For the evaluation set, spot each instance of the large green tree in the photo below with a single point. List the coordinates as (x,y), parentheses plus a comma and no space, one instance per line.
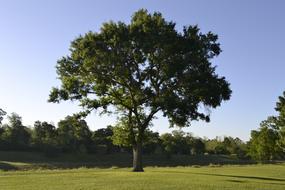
(139,69)
(279,122)
(263,143)
(269,141)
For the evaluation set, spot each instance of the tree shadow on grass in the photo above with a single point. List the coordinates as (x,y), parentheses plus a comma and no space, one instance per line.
(246,177)
(244,181)
(6,166)
(265,180)
(239,178)
(236,181)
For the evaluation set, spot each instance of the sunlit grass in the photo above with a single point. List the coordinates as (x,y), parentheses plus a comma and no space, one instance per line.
(257,177)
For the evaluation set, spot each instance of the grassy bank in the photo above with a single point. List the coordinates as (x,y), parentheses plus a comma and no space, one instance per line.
(10,160)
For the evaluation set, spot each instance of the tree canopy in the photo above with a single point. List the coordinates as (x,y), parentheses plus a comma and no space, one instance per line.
(74,134)
(138,69)
(268,142)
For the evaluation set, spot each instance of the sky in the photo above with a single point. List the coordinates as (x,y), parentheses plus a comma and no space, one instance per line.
(34,34)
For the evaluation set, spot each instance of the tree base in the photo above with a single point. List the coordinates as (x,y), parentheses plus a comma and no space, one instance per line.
(137,170)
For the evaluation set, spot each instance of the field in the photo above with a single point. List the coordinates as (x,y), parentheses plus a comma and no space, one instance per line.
(257,177)
(15,175)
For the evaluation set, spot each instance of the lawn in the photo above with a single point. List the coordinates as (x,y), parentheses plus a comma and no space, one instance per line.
(34,171)
(16,160)
(258,177)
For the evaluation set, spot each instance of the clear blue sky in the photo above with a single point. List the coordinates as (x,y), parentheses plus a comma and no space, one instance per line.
(35,33)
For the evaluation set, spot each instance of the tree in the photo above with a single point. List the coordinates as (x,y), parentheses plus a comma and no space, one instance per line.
(180,142)
(103,137)
(214,146)
(139,69)
(269,141)
(197,146)
(279,122)
(176,143)
(44,134)
(262,145)
(152,142)
(2,114)
(168,144)
(16,134)
(73,134)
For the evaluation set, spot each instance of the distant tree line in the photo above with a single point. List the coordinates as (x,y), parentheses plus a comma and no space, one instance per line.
(72,135)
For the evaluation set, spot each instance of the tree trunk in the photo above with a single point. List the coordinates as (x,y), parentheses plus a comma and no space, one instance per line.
(137,157)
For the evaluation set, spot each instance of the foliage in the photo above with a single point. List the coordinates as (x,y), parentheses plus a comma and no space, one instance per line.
(122,136)
(279,122)
(43,133)
(226,145)
(215,146)
(73,134)
(198,146)
(44,138)
(151,143)
(103,137)
(179,142)
(2,114)
(263,144)
(142,68)
(268,142)
(14,134)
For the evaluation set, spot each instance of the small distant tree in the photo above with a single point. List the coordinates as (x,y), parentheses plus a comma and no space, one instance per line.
(2,114)
(168,144)
(140,69)
(74,134)
(179,142)
(152,142)
(44,138)
(215,146)
(197,146)
(103,137)
(16,134)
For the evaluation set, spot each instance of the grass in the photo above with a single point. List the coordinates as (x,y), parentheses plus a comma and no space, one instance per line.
(33,171)
(255,177)
(33,160)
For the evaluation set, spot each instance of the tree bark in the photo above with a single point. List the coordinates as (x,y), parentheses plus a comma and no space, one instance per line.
(137,157)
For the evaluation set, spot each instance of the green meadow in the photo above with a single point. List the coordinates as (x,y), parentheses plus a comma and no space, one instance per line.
(34,171)
(255,177)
